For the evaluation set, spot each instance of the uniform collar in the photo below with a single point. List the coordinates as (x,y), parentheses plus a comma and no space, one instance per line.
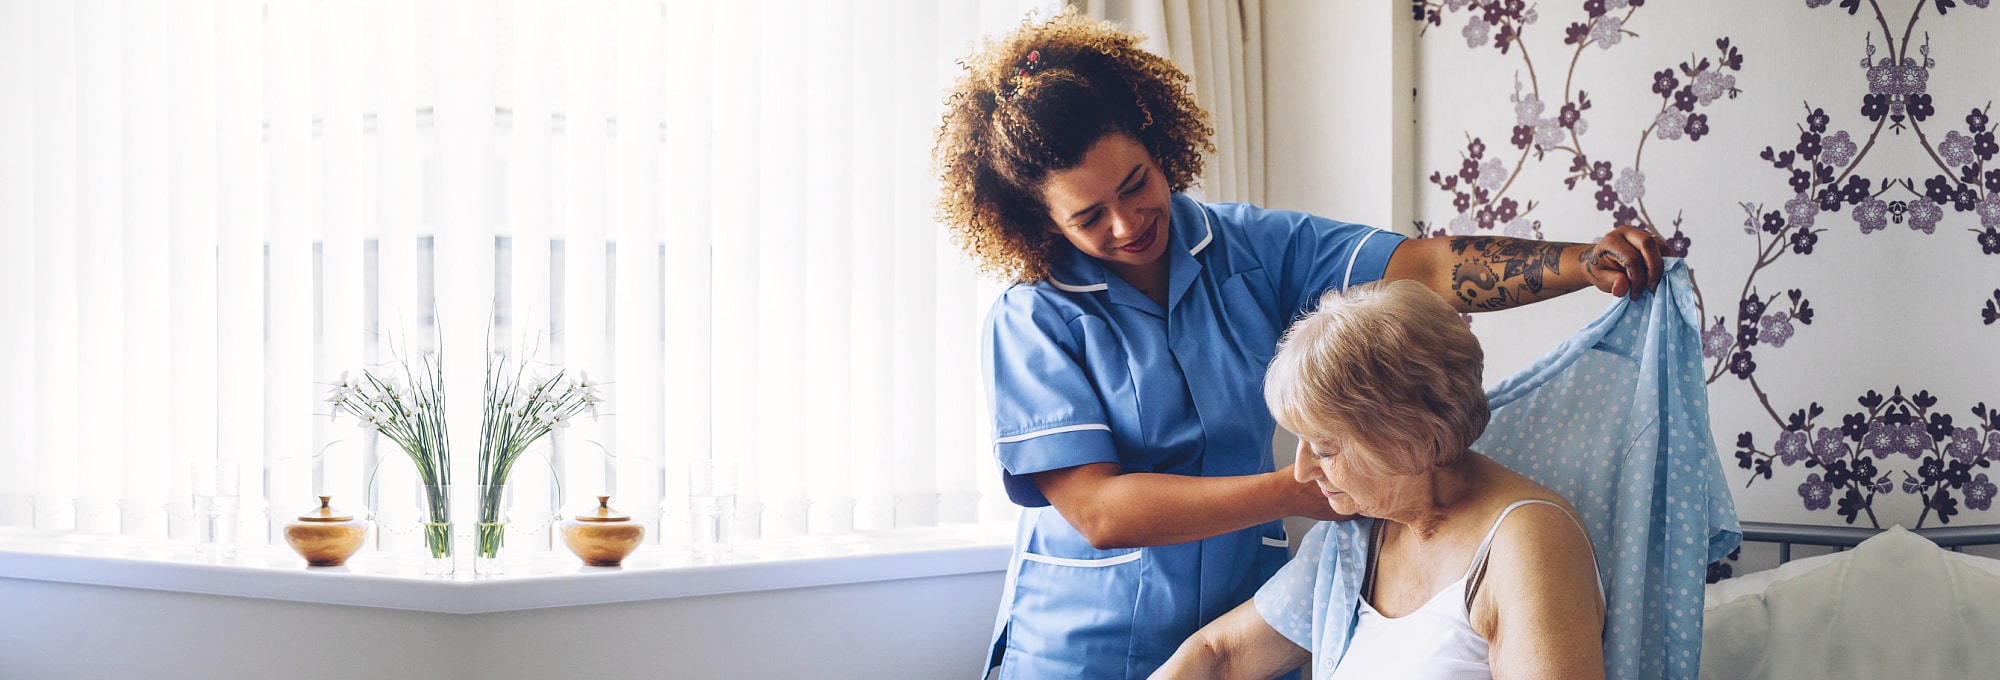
(1191,231)
(1194,232)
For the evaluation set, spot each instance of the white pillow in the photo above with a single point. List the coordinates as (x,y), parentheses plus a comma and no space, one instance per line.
(1894,607)
(1756,582)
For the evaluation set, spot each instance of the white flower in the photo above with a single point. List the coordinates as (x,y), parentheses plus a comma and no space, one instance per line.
(556,419)
(342,389)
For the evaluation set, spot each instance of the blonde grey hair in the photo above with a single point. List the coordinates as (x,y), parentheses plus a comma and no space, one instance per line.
(1389,366)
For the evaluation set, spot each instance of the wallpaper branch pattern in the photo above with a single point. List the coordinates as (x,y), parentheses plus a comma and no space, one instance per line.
(1856,136)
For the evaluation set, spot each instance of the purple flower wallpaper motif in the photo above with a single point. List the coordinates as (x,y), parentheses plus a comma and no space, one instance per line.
(1897,133)
(1893,438)
(1478,188)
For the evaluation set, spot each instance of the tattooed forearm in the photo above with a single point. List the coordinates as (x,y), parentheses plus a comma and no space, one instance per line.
(1498,273)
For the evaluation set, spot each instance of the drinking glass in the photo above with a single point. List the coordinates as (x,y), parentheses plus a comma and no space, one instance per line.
(711,504)
(215,488)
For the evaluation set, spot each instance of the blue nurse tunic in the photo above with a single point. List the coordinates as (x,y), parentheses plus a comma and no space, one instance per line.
(1083,368)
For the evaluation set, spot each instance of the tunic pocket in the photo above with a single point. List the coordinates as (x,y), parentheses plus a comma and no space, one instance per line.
(1276,550)
(1072,617)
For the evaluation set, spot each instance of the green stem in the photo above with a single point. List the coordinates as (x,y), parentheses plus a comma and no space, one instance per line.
(437,538)
(492,535)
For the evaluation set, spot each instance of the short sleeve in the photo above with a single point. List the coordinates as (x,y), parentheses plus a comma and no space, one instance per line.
(1308,254)
(1047,415)
(1286,601)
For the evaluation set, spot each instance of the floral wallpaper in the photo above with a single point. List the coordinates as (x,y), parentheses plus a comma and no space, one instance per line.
(1828,169)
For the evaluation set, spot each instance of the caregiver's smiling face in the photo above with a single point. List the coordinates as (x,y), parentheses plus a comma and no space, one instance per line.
(1114,205)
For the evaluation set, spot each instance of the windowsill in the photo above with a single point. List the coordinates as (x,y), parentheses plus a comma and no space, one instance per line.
(534,579)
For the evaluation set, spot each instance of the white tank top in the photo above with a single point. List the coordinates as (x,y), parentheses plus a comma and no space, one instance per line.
(1435,642)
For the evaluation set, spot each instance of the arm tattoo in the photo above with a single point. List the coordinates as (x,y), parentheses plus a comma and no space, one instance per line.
(1498,273)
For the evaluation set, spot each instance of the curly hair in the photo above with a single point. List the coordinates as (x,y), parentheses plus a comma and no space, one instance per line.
(1011,120)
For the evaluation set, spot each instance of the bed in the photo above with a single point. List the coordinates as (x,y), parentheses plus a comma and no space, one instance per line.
(1893,604)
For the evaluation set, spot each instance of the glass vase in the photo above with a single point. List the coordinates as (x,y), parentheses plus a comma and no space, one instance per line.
(490,535)
(434,503)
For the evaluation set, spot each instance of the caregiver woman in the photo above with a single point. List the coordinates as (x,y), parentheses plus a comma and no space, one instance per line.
(1124,363)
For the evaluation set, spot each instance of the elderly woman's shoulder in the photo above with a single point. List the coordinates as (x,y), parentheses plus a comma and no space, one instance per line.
(1544,530)
(1504,487)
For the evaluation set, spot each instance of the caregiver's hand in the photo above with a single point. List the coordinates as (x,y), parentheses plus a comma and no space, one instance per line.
(1115,509)
(1623,260)
(1305,499)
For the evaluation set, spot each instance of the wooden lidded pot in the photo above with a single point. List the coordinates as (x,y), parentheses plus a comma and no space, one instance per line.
(324,536)
(602,536)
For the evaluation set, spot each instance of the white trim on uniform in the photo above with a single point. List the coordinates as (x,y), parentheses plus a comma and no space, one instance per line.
(1067,562)
(1277,542)
(1196,250)
(1076,288)
(1052,430)
(1348,278)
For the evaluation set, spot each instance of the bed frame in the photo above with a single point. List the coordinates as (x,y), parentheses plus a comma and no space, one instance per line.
(1842,538)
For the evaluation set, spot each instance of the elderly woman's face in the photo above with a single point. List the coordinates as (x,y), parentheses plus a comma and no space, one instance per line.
(1114,205)
(1352,492)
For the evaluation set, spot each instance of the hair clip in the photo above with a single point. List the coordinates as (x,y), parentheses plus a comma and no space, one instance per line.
(1032,64)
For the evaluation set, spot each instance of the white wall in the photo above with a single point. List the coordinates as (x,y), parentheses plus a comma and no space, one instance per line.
(916,628)
(1337,78)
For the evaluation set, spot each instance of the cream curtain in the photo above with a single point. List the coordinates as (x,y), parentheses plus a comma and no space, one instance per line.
(1219,44)
(210,209)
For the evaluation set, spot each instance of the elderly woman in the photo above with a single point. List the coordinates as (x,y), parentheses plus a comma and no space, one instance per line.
(1472,570)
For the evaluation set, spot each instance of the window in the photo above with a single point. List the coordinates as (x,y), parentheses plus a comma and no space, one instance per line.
(721,210)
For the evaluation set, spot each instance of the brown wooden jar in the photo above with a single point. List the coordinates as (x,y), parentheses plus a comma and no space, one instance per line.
(603,536)
(324,536)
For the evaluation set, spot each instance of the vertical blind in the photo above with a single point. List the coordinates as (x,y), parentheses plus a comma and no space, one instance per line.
(211,209)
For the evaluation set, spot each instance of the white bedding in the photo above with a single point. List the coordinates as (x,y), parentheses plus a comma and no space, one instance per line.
(1895,607)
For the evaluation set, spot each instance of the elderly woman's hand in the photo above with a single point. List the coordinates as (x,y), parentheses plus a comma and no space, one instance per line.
(1238,644)
(1623,260)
